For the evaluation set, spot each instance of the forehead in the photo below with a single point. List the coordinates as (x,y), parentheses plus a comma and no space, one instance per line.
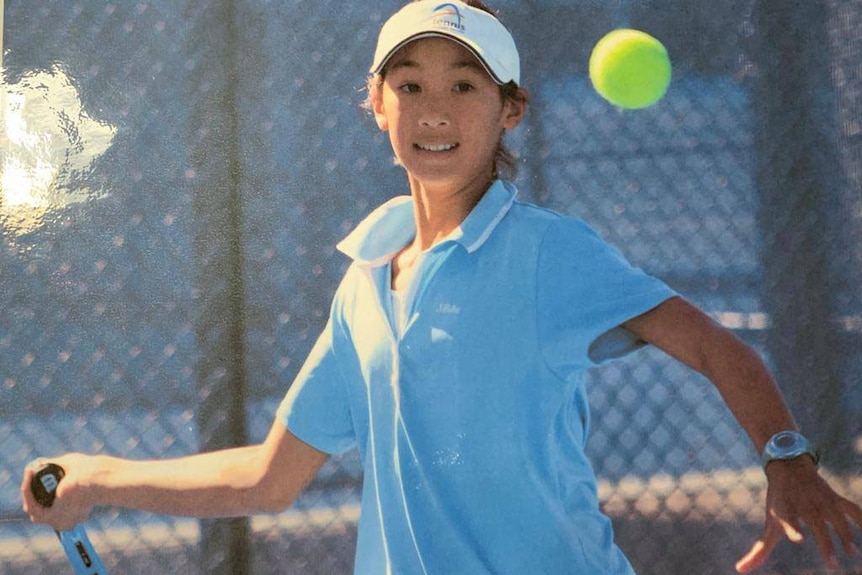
(434,51)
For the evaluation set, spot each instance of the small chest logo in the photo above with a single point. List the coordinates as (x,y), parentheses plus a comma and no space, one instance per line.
(448,308)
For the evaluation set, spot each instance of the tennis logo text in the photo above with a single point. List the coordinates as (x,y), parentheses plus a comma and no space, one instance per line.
(448,16)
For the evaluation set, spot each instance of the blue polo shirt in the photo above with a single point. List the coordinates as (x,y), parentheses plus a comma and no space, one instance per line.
(471,421)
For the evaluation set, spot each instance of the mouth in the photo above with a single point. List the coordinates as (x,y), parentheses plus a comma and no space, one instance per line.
(435,147)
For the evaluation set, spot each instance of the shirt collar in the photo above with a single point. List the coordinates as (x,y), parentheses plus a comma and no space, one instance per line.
(387,229)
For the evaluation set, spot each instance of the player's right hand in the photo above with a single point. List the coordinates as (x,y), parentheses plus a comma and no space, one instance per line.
(74,499)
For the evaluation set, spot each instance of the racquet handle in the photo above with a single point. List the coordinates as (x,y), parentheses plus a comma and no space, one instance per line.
(44,483)
(76,544)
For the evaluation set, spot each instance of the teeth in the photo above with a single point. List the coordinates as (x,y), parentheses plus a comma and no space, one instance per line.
(439,148)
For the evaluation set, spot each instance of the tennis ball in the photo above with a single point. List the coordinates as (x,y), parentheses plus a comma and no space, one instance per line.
(630,69)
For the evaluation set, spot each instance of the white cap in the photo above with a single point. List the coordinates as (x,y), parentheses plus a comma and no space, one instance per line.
(475,29)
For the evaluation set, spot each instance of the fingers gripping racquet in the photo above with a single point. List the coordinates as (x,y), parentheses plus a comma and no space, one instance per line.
(79,550)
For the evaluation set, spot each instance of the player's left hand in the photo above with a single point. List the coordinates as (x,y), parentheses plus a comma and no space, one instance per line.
(797,495)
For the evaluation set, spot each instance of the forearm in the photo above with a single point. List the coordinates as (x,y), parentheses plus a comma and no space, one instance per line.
(745,384)
(218,484)
(747,387)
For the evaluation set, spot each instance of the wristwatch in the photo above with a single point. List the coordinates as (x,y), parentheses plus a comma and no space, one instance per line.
(786,445)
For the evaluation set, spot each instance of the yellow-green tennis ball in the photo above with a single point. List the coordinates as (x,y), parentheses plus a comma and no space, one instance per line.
(630,69)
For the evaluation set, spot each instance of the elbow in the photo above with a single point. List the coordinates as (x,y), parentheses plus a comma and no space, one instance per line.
(250,487)
(734,364)
(720,351)
(271,491)
(282,467)
(273,497)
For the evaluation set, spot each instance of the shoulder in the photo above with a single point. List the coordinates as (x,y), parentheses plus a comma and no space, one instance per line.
(570,246)
(561,232)
(551,236)
(524,216)
(526,212)
(531,214)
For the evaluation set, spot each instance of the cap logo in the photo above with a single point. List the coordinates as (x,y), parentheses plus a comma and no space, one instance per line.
(448,16)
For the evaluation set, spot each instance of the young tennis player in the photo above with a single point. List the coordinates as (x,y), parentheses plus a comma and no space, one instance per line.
(455,353)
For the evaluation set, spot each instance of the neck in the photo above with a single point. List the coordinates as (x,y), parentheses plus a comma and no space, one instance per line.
(438,210)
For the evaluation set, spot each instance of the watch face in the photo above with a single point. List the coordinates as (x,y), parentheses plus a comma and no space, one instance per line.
(785,441)
(788,445)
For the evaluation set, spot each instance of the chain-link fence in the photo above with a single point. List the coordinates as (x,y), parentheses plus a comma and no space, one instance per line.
(175,175)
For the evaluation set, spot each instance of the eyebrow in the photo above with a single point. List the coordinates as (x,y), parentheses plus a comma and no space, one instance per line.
(403,63)
(470,64)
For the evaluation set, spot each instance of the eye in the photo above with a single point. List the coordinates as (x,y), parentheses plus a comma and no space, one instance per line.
(463,87)
(409,88)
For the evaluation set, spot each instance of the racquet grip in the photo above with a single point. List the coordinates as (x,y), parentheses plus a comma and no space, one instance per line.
(44,483)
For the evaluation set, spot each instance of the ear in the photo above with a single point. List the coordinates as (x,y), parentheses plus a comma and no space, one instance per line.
(375,96)
(515,108)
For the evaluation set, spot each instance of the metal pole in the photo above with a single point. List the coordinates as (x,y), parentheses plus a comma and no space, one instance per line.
(217,207)
(798,176)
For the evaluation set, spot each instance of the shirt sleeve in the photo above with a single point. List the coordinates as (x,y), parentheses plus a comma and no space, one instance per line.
(585,290)
(316,408)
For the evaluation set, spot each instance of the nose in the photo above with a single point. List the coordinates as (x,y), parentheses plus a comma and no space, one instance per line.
(434,114)
(434,121)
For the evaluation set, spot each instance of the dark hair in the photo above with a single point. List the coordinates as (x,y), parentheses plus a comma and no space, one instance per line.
(505,162)
(506,165)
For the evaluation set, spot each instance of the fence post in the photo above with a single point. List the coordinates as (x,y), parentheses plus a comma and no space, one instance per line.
(214,173)
(798,176)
